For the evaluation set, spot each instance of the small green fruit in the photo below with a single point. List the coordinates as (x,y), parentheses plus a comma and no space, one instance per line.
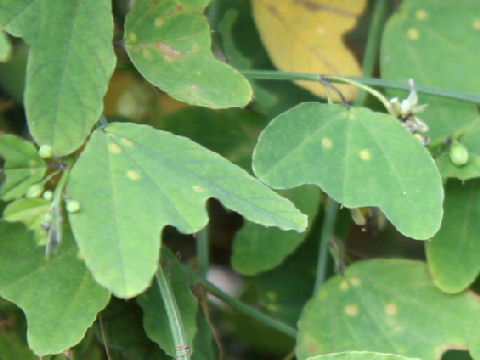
(47,195)
(459,154)
(45,151)
(72,206)
(34,191)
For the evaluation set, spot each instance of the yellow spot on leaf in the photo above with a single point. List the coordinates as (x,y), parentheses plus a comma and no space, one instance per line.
(272,307)
(351,310)
(351,115)
(114,148)
(327,143)
(391,309)
(146,54)
(198,188)
(158,22)
(127,142)
(194,87)
(476,24)
(365,155)
(421,14)
(344,285)
(79,255)
(132,37)
(271,295)
(286,29)
(413,34)
(133,175)
(356,281)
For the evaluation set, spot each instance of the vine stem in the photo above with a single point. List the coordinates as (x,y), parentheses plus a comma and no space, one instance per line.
(238,305)
(288,75)
(182,350)
(328,228)
(202,241)
(368,66)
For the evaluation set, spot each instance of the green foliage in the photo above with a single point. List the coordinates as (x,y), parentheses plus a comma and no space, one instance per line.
(388,306)
(59,297)
(452,253)
(256,248)
(360,355)
(155,320)
(356,157)
(23,166)
(127,182)
(126,166)
(182,65)
(417,44)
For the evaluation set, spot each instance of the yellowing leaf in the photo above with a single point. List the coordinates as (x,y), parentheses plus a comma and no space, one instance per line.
(308,36)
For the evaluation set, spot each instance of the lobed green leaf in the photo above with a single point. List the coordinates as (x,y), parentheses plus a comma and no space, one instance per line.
(360,158)
(133,180)
(169,42)
(59,297)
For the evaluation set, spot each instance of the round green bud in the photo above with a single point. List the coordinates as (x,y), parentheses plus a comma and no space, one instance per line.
(45,151)
(72,206)
(47,195)
(459,154)
(34,191)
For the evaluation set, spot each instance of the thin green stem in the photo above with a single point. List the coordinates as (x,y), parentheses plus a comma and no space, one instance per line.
(328,228)
(375,31)
(182,350)
(203,251)
(285,75)
(238,305)
(55,212)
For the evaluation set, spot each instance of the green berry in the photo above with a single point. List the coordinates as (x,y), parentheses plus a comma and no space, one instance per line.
(72,206)
(34,191)
(47,195)
(459,154)
(45,151)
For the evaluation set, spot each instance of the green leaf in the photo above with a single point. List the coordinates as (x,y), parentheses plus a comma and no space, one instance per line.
(155,320)
(59,297)
(132,180)
(388,306)
(468,171)
(70,62)
(232,132)
(256,248)
(360,158)
(203,347)
(284,290)
(5,47)
(32,213)
(453,252)
(360,355)
(121,329)
(169,43)
(417,44)
(23,166)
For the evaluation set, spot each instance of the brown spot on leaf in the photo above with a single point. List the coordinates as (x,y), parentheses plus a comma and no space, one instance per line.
(169,52)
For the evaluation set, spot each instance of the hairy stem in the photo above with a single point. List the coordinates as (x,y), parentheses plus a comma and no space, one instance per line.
(182,350)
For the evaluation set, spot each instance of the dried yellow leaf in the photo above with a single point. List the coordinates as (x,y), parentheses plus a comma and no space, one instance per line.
(307,36)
